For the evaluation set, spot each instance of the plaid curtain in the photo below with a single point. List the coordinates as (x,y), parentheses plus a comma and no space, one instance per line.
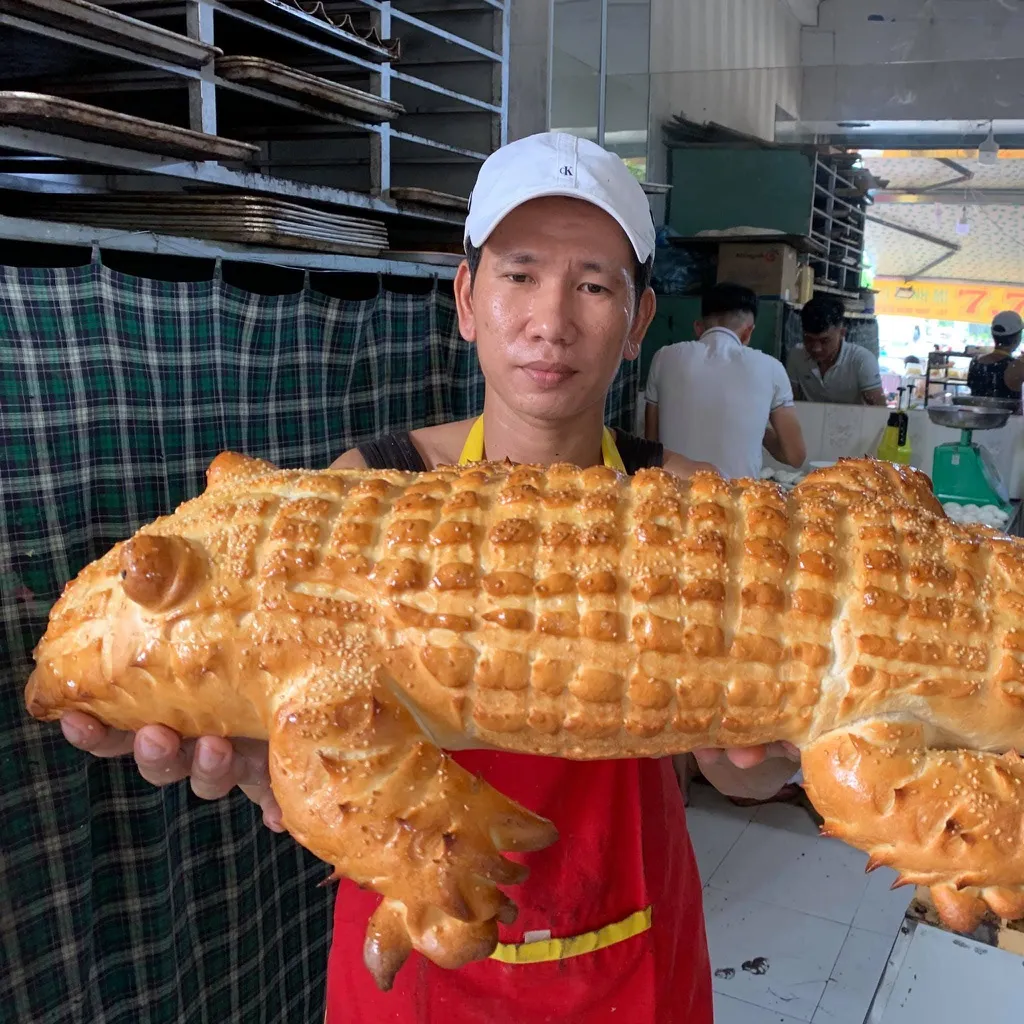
(124,903)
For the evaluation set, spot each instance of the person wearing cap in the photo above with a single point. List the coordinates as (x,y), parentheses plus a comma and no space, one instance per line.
(827,367)
(718,400)
(997,374)
(554,293)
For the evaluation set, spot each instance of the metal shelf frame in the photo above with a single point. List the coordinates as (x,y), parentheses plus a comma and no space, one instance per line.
(338,49)
(841,261)
(208,172)
(19,229)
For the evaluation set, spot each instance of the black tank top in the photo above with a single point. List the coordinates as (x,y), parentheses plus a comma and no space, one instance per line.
(396,451)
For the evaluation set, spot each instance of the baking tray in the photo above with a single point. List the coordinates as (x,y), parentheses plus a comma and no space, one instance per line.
(244,230)
(184,225)
(311,89)
(93,22)
(343,23)
(428,197)
(230,217)
(292,14)
(202,204)
(57,115)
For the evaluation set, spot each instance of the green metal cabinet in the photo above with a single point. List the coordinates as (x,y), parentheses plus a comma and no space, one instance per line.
(767,189)
(675,318)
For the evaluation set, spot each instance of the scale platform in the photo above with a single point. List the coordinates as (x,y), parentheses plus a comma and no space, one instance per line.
(964,471)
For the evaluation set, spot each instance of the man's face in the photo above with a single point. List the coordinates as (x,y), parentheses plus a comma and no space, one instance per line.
(824,347)
(553,308)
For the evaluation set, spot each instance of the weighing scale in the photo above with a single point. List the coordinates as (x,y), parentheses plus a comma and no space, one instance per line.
(963,471)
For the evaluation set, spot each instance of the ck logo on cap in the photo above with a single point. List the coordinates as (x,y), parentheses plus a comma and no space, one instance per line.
(565,170)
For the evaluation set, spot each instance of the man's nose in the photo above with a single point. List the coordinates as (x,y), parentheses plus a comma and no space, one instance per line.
(551,318)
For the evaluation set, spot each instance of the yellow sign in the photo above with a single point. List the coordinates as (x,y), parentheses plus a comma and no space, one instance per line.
(937,154)
(966,301)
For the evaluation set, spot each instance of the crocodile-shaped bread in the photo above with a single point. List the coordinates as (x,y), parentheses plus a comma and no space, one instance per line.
(365,622)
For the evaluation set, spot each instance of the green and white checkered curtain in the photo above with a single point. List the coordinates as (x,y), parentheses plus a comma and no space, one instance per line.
(121,903)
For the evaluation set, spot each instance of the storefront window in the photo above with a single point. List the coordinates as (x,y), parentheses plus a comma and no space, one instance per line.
(600,74)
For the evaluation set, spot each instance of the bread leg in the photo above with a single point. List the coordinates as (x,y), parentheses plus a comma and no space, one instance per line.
(361,788)
(952,820)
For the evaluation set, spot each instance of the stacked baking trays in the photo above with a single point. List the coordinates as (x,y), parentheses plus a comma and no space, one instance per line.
(228,217)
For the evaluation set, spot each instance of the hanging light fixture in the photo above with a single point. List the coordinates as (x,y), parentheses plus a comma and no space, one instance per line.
(963,225)
(988,151)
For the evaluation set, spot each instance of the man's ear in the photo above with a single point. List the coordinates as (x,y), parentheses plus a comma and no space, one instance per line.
(747,333)
(699,328)
(464,302)
(645,310)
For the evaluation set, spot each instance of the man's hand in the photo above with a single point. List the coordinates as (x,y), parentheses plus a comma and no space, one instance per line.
(214,765)
(753,773)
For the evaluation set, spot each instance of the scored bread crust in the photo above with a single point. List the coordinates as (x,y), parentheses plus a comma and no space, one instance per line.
(365,621)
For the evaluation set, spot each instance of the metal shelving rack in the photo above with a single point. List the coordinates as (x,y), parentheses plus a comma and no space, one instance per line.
(446,63)
(837,224)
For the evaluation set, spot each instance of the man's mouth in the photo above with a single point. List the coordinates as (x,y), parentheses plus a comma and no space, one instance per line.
(548,375)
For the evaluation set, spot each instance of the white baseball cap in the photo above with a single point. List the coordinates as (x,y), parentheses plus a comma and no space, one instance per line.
(1007,323)
(559,164)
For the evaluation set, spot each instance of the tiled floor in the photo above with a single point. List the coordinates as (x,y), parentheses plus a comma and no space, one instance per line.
(797,930)
(945,979)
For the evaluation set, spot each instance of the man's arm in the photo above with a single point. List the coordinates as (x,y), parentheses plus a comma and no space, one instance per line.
(869,378)
(352,459)
(873,397)
(784,437)
(651,422)
(1013,378)
(681,466)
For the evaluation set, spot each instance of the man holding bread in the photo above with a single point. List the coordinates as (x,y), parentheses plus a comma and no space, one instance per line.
(554,292)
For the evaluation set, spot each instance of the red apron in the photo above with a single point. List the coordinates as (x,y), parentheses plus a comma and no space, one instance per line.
(623,849)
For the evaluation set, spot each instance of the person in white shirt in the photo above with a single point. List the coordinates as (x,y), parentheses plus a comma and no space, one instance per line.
(719,401)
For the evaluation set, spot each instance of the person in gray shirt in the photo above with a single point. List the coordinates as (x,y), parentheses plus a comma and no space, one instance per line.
(828,368)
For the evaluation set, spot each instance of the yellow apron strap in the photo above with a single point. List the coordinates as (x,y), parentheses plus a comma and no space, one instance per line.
(473,449)
(575,945)
(610,451)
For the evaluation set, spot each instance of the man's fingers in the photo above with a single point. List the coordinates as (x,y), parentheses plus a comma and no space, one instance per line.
(747,757)
(85,733)
(263,796)
(707,755)
(161,755)
(215,767)
(741,757)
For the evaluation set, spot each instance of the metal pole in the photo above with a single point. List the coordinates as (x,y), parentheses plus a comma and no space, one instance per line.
(602,72)
(506,32)
(202,99)
(551,57)
(380,144)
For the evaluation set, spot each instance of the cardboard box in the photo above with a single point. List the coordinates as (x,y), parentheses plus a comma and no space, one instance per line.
(769,268)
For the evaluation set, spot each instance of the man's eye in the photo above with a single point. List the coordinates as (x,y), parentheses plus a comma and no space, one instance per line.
(595,289)
(518,278)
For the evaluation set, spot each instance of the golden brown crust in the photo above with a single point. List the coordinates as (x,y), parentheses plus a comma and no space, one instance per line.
(558,611)
(949,819)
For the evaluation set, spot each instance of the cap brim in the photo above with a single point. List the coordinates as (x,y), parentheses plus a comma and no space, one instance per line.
(570,193)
